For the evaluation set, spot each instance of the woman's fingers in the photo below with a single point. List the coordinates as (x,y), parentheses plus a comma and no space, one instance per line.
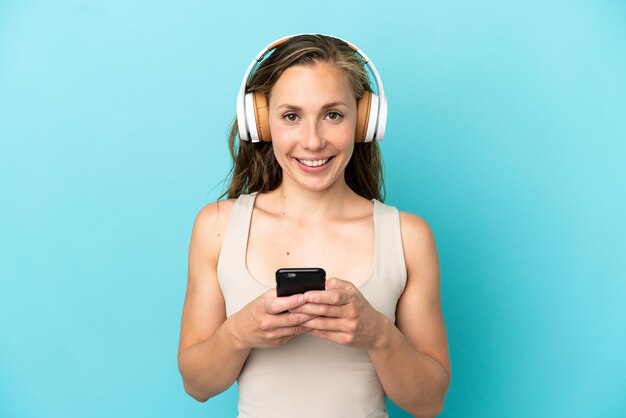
(335,283)
(290,319)
(342,315)
(339,300)
(335,313)
(274,305)
(329,297)
(323,323)
(321,309)
(338,292)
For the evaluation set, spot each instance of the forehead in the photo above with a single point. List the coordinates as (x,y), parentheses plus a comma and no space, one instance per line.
(311,83)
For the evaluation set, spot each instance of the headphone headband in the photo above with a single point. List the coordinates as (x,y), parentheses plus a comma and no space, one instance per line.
(252,129)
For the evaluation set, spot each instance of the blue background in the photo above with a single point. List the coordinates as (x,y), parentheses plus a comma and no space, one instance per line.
(506,132)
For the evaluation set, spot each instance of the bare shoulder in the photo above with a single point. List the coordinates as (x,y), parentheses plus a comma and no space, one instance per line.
(420,251)
(213,214)
(210,226)
(416,233)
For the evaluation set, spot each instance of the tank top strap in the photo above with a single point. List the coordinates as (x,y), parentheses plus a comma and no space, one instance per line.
(389,250)
(237,230)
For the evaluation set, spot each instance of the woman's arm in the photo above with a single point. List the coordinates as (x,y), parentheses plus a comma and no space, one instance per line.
(209,361)
(213,349)
(410,357)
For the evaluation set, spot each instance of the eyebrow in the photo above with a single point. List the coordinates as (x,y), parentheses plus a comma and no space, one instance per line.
(326,106)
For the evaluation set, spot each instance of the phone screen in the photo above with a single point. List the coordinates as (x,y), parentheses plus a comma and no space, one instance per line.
(291,281)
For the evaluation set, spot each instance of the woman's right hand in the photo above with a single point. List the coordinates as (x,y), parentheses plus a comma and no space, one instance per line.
(266,321)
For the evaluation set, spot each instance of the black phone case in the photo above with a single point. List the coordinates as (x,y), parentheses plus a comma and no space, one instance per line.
(292,281)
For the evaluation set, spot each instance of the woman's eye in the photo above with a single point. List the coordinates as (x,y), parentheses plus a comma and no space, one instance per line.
(334,115)
(290,117)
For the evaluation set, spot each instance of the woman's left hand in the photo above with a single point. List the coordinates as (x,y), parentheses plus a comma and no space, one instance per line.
(345,316)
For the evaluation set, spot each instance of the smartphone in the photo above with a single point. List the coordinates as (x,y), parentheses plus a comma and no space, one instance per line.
(299,280)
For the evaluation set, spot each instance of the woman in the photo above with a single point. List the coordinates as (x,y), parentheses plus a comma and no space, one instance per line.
(307,195)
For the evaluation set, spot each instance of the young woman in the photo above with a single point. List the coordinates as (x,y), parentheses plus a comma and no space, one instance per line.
(308,194)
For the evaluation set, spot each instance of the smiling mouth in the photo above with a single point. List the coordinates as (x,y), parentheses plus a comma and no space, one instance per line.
(314,163)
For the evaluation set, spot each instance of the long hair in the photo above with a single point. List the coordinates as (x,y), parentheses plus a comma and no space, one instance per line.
(255,168)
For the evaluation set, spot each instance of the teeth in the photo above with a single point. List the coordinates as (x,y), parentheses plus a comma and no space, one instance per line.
(313,163)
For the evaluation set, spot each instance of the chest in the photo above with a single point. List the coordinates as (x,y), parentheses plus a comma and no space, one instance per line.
(344,249)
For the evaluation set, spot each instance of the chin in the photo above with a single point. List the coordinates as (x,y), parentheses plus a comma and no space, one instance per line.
(318,186)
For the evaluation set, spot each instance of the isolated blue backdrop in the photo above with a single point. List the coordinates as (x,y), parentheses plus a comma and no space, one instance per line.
(506,133)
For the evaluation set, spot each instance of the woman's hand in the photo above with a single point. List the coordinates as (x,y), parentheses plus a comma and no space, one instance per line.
(343,315)
(266,321)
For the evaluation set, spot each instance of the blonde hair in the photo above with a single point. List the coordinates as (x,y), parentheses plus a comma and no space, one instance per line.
(255,168)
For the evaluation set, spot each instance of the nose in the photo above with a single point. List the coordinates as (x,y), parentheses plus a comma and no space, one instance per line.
(314,138)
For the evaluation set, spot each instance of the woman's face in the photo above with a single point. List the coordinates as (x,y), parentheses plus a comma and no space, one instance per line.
(313,115)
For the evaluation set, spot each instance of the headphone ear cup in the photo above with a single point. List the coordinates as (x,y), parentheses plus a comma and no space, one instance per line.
(367,117)
(257,117)
(363,114)
(262,116)
(250,119)
(372,121)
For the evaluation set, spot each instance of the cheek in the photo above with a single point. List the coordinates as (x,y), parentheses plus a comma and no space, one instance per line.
(347,131)
(280,148)
(350,150)
(282,134)
(279,135)
(347,139)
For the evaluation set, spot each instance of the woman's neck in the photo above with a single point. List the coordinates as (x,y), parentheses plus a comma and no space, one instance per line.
(309,205)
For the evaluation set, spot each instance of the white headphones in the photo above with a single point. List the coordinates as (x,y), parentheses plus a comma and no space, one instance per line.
(253,109)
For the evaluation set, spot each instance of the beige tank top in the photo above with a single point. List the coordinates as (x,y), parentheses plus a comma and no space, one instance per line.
(309,376)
